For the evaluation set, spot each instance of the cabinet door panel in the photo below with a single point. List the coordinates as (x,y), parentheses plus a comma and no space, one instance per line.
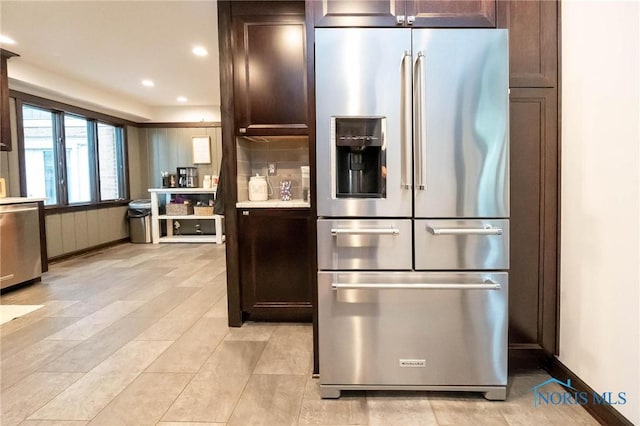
(533,42)
(270,75)
(452,13)
(275,263)
(534,161)
(356,13)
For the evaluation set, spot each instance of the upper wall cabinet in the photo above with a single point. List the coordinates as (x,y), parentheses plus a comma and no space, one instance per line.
(270,75)
(399,13)
(533,41)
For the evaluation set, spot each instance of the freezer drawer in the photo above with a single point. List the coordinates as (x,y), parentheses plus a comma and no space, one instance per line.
(461,244)
(412,329)
(364,244)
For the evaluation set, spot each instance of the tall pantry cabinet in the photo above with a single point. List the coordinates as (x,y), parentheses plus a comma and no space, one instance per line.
(263,75)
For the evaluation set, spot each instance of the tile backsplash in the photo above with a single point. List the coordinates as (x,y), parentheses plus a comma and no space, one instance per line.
(255,154)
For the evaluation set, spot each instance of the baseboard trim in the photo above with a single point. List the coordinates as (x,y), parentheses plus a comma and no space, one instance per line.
(604,414)
(69,255)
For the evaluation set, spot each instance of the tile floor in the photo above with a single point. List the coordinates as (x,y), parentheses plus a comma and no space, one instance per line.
(137,335)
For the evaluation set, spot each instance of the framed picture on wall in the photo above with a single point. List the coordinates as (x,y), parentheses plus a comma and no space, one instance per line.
(201,149)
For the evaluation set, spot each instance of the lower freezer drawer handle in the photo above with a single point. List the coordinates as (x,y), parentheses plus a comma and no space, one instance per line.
(365,231)
(465,231)
(487,285)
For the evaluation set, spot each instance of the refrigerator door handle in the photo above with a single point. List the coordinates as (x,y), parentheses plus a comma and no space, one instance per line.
(365,231)
(487,285)
(419,137)
(406,121)
(487,230)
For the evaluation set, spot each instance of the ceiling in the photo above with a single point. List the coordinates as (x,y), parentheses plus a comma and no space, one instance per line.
(114,45)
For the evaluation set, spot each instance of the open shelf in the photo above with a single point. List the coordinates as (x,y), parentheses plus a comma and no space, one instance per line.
(156,217)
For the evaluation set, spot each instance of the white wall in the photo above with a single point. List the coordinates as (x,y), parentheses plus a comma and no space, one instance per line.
(600,190)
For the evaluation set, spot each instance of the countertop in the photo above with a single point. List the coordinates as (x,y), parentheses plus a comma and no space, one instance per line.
(19,200)
(185,190)
(274,204)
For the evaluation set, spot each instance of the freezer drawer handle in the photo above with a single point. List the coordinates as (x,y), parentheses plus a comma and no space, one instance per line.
(488,285)
(365,231)
(488,230)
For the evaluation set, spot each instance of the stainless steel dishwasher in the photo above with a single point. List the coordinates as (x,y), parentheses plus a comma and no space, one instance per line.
(19,244)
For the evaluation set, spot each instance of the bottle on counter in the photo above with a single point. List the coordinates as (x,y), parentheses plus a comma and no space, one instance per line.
(285,190)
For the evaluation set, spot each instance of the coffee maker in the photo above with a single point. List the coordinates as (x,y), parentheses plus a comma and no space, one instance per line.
(187,177)
(360,157)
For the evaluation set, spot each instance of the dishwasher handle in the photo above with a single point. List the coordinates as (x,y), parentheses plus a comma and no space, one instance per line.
(7,210)
(487,285)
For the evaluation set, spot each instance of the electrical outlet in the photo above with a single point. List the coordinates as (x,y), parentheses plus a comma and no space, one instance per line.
(272,169)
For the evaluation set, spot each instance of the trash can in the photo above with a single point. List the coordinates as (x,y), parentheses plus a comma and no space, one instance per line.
(139,214)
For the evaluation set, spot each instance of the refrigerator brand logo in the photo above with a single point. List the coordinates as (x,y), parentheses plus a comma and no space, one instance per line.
(413,363)
(571,396)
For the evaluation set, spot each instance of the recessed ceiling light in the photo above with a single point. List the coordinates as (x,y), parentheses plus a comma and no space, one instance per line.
(200,51)
(6,40)
(181,99)
(147,83)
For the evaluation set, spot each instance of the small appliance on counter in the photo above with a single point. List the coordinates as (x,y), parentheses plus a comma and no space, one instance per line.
(187,177)
(258,188)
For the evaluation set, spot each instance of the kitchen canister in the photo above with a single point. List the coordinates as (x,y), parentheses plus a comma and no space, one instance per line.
(206,182)
(258,189)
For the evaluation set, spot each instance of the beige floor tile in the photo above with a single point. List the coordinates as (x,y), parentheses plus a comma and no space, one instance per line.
(33,333)
(144,401)
(28,360)
(189,424)
(192,349)
(90,394)
(89,353)
(215,390)
(462,409)
(400,408)
(251,331)
(96,322)
(219,310)
(351,409)
(28,395)
(198,304)
(288,351)
(51,307)
(53,423)
(270,400)
(167,329)
(163,303)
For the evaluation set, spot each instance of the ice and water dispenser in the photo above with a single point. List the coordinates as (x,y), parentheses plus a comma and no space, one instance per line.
(360,157)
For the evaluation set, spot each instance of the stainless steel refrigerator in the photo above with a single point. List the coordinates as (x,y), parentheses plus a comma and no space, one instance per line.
(413,205)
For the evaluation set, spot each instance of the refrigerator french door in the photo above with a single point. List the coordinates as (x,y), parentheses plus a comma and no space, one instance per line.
(442,98)
(413,208)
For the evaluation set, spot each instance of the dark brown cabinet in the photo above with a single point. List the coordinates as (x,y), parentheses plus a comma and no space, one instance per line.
(276,264)
(533,67)
(414,13)
(533,42)
(269,63)
(5,125)
(534,227)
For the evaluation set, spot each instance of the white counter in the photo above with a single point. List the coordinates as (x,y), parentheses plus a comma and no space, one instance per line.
(273,204)
(18,200)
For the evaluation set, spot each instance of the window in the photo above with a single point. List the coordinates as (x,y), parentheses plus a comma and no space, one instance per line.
(70,159)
